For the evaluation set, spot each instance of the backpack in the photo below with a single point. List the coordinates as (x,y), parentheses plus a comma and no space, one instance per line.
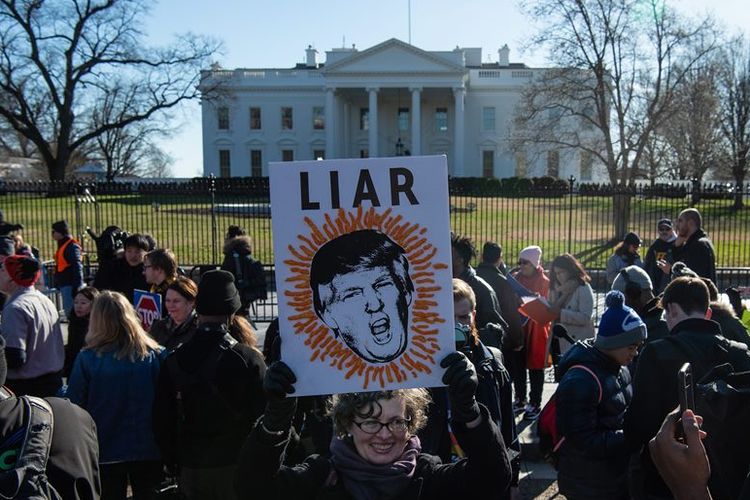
(550,439)
(249,278)
(27,477)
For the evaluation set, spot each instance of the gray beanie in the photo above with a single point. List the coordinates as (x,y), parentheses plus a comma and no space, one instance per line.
(635,275)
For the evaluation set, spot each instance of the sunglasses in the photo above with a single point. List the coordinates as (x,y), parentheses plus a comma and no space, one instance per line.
(523,262)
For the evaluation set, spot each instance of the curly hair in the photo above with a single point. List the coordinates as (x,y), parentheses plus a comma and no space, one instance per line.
(342,408)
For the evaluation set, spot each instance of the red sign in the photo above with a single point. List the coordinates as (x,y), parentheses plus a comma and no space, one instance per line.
(148,307)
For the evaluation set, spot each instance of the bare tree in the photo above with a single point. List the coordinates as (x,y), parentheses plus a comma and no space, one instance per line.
(619,63)
(67,58)
(734,85)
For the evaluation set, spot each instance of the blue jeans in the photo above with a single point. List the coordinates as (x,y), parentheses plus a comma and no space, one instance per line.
(67,298)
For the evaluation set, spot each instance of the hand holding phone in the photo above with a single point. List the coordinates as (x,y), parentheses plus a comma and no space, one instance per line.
(685,394)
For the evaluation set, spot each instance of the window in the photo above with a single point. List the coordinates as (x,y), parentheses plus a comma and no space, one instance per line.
(255,123)
(403,119)
(319,154)
(364,118)
(586,165)
(488,118)
(225,168)
(364,153)
(520,165)
(223,116)
(319,120)
(553,164)
(256,163)
(287,119)
(441,119)
(287,155)
(488,163)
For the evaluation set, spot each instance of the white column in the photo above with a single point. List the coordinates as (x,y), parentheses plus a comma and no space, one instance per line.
(373,112)
(458,141)
(346,133)
(330,113)
(416,121)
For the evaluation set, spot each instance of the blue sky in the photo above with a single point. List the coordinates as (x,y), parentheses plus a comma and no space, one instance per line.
(275,33)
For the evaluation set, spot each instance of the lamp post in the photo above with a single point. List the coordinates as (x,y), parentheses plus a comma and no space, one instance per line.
(572,181)
(399,147)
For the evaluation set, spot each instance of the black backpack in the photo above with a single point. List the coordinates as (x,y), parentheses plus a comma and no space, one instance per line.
(26,477)
(249,278)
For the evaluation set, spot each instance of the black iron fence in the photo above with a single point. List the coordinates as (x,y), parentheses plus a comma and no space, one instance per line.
(191,216)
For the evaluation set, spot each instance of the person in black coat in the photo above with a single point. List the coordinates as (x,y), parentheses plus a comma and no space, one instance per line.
(489,270)
(124,274)
(693,246)
(78,325)
(376,453)
(660,250)
(594,392)
(209,393)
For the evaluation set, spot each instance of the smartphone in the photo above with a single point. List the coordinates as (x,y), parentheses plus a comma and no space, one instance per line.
(685,395)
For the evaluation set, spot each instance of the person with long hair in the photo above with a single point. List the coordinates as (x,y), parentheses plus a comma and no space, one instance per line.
(179,327)
(114,379)
(78,324)
(625,254)
(571,298)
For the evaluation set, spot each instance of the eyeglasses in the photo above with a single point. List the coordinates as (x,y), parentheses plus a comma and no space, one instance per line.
(665,229)
(523,262)
(396,426)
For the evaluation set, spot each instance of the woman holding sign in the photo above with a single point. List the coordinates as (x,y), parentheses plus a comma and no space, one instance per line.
(376,452)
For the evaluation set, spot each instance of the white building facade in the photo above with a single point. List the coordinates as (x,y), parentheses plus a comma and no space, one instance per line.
(392,99)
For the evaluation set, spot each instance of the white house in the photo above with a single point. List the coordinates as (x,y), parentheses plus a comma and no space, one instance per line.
(388,100)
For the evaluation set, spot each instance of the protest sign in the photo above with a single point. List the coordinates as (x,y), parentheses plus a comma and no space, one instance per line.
(148,307)
(363,276)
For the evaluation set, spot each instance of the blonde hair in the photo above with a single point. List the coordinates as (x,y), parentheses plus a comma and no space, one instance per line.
(115,326)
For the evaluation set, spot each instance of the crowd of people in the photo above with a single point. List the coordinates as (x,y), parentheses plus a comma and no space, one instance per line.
(191,406)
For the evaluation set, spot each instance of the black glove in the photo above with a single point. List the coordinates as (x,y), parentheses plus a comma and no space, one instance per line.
(280,409)
(462,381)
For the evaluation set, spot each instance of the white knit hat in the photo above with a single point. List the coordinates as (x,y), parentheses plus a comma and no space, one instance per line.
(533,254)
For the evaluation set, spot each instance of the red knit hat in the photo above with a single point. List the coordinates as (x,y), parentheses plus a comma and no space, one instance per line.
(23,270)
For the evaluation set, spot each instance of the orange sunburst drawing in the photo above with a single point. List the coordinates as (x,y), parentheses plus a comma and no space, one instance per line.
(422,346)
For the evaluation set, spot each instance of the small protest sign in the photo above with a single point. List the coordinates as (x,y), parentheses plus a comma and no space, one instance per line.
(148,307)
(363,276)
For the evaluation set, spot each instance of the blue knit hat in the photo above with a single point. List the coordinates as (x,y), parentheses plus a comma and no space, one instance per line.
(620,326)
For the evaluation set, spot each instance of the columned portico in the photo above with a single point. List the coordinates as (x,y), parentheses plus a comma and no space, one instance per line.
(373,122)
(332,149)
(416,116)
(458,142)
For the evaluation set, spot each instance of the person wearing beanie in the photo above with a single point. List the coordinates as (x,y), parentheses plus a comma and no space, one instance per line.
(7,227)
(218,384)
(72,468)
(636,285)
(660,250)
(625,254)
(592,398)
(68,263)
(29,324)
(692,338)
(533,355)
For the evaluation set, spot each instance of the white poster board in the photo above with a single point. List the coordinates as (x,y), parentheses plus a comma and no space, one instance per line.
(363,276)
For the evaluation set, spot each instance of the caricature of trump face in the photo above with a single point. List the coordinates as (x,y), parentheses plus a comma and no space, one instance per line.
(362,291)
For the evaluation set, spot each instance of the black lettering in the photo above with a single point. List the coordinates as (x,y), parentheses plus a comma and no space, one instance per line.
(335,199)
(405,187)
(365,190)
(304,187)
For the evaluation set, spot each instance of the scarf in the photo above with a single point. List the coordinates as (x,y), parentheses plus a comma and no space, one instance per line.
(365,481)
(565,292)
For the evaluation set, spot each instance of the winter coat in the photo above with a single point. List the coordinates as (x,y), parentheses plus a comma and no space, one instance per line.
(693,340)
(119,276)
(619,261)
(172,336)
(731,327)
(593,459)
(72,275)
(77,329)
(508,301)
(651,314)
(698,254)
(659,250)
(488,308)
(485,473)
(576,316)
(536,335)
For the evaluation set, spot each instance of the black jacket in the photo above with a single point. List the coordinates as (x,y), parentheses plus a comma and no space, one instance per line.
(659,249)
(698,254)
(77,329)
(73,466)
(208,424)
(651,314)
(508,301)
(164,331)
(484,474)
(119,276)
(697,341)
(593,459)
(731,327)
(488,308)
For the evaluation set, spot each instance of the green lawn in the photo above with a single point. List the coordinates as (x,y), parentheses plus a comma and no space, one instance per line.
(184,223)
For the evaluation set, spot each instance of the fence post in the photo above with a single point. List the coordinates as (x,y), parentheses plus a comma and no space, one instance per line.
(571,181)
(214,234)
